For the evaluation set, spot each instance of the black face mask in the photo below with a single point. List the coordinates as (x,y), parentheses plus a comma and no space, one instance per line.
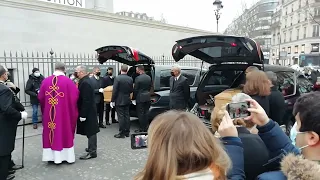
(75,75)
(98,73)
(172,74)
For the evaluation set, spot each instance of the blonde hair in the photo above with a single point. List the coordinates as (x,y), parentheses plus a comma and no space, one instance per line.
(179,144)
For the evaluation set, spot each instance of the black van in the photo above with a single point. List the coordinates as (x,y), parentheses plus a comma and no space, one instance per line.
(229,56)
(160,75)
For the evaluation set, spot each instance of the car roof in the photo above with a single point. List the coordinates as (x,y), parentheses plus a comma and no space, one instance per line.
(182,67)
(276,68)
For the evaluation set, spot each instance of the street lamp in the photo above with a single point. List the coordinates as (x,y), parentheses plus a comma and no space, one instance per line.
(218,5)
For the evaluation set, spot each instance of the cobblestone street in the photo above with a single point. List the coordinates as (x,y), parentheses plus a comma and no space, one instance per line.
(116,160)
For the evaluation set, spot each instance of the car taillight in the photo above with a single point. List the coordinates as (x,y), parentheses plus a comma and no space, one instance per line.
(233,44)
(155,98)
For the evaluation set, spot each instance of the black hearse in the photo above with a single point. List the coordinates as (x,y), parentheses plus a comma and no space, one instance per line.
(229,56)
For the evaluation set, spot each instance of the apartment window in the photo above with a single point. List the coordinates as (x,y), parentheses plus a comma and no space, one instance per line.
(298,33)
(299,16)
(284,37)
(285,23)
(283,49)
(290,37)
(296,49)
(291,21)
(306,16)
(316,11)
(315,32)
(304,32)
(289,50)
(302,48)
(315,47)
(299,3)
(292,8)
(286,11)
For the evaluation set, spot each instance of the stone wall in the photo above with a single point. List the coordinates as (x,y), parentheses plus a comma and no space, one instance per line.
(31,25)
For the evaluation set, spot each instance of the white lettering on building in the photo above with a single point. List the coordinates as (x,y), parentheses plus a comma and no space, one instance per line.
(74,3)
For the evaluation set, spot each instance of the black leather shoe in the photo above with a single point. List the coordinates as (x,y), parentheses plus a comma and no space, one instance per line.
(11,172)
(114,121)
(87,150)
(16,167)
(88,156)
(10,177)
(102,126)
(120,136)
(108,124)
(127,135)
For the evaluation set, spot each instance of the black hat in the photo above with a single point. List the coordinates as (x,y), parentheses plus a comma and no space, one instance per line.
(34,70)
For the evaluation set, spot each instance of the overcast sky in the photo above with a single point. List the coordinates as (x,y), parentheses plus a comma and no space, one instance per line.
(192,13)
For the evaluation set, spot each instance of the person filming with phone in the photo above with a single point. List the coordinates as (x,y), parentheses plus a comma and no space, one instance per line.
(182,147)
(255,151)
(296,162)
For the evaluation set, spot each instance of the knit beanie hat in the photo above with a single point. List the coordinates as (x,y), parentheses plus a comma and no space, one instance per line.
(34,70)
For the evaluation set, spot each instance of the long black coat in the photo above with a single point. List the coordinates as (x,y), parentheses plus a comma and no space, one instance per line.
(9,117)
(87,109)
(277,105)
(179,93)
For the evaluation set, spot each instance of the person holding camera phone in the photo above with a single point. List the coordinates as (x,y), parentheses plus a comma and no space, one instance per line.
(11,112)
(32,89)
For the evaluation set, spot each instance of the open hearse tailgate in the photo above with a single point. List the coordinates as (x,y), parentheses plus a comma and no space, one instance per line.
(122,54)
(215,49)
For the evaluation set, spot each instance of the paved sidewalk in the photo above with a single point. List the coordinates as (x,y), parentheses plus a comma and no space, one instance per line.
(116,160)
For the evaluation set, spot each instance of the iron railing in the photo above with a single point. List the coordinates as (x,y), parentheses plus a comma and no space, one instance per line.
(20,65)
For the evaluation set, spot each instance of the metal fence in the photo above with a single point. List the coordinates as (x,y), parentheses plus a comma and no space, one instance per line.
(20,65)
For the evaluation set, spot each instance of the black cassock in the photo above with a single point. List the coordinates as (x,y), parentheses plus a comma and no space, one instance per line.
(87,109)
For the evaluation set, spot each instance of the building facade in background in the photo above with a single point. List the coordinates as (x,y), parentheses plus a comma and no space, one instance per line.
(255,23)
(295,33)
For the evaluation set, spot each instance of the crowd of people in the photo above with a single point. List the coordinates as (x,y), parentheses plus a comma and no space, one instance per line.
(180,146)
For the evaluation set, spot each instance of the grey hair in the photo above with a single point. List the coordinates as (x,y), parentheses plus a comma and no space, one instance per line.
(240,97)
(124,68)
(82,68)
(60,66)
(272,77)
(3,70)
(176,67)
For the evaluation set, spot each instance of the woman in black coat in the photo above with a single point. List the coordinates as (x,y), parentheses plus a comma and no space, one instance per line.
(258,87)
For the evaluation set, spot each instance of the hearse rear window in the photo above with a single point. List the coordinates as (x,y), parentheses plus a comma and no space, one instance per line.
(165,75)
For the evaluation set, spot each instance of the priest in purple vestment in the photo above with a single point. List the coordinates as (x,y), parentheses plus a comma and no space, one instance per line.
(58,98)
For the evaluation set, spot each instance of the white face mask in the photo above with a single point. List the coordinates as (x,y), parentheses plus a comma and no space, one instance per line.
(36,74)
(302,147)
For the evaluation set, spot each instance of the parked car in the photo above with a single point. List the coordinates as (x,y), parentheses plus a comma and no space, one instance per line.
(160,75)
(229,56)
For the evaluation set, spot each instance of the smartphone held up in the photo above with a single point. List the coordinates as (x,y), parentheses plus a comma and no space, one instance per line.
(139,140)
(238,110)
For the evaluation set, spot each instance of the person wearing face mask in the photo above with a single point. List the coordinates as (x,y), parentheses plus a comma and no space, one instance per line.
(98,91)
(11,112)
(301,162)
(179,90)
(108,81)
(32,89)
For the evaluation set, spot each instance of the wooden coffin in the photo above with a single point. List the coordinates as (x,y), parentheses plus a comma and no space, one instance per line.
(107,94)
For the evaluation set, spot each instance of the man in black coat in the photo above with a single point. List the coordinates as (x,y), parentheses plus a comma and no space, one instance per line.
(122,88)
(179,90)
(10,116)
(141,97)
(32,89)
(98,90)
(87,124)
(108,81)
(277,107)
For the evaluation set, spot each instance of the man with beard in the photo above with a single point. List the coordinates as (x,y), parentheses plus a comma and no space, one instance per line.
(87,124)
(108,81)
(98,90)
(10,116)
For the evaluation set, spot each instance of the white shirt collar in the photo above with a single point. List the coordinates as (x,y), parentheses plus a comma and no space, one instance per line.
(177,78)
(58,73)
(95,76)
